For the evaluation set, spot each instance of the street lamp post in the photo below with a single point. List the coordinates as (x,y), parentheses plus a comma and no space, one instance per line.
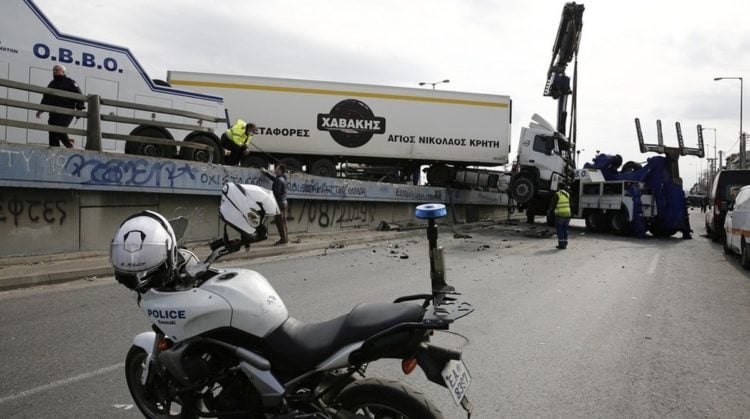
(713,171)
(742,135)
(422,83)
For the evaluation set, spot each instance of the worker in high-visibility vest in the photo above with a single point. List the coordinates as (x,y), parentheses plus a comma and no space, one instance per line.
(236,141)
(560,206)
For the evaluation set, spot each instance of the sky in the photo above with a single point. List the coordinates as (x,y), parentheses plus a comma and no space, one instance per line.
(648,59)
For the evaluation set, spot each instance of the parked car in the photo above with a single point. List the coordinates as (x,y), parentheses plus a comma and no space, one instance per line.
(737,226)
(725,188)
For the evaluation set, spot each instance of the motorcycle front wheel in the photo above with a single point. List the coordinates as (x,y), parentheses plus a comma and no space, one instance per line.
(152,399)
(379,398)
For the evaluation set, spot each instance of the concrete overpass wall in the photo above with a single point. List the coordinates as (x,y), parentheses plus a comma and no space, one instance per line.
(60,200)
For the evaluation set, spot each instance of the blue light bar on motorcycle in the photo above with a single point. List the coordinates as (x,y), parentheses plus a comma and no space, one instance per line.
(430,211)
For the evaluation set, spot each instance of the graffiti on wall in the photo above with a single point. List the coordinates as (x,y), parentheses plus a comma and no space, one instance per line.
(53,168)
(339,214)
(117,172)
(16,211)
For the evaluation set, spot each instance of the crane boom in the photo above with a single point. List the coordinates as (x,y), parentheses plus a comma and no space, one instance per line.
(564,50)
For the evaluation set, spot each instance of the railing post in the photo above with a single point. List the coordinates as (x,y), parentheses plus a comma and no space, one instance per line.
(94,124)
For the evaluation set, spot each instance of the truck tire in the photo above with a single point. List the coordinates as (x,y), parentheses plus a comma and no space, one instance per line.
(255,162)
(193,154)
(620,224)
(291,164)
(595,221)
(439,175)
(323,167)
(745,255)
(151,150)
(660,232)
(522,190)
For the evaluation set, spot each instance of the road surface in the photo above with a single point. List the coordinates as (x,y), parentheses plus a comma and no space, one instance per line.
(610,327)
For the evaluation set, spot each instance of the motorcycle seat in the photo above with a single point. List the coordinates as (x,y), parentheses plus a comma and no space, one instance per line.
(299,347)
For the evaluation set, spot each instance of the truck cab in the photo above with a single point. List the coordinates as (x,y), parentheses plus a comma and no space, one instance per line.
(544,158)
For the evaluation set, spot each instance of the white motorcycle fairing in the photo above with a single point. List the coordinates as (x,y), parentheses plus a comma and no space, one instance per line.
(238,298)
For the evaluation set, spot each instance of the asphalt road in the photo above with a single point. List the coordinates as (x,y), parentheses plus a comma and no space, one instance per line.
(610,327)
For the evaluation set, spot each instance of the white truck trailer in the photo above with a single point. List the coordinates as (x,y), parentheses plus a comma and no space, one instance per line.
(30,45)
(324,126)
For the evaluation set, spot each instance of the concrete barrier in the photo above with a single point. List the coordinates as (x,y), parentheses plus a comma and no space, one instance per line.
(63,200)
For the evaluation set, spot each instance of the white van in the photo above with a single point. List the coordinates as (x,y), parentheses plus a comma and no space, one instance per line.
(737,226)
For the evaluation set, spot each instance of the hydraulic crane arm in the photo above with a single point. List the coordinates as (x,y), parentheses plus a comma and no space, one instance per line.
(564,51)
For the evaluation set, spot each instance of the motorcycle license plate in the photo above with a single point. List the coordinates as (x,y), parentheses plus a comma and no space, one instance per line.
(457,379)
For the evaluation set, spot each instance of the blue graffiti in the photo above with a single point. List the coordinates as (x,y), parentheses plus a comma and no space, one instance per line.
(118,172)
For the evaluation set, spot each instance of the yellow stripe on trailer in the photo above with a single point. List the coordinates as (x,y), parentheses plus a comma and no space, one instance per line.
(337,93)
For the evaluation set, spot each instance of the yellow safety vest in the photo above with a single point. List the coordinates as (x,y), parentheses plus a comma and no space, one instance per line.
(563,204)
(237,133)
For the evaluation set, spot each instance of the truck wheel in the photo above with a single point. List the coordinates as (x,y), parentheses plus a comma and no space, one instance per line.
(661,232)
(595,221)
(745,255)
(151,150)
(619,223)
(255,162)
(291,164)
(522,190)
(205,156)
(439,175)
(323,167)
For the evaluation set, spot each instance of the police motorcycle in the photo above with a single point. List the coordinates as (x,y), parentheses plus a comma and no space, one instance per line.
(224,345)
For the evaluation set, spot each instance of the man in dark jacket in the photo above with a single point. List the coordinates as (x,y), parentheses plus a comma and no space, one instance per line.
(61,82)
(279,192)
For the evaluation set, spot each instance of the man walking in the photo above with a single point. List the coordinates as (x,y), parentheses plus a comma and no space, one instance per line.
(61,81)
(236,141)
(560,206)
(279,192)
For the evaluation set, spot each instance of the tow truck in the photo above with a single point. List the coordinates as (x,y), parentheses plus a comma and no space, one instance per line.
(626,199)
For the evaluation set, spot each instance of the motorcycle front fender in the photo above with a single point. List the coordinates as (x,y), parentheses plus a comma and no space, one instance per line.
(145,341)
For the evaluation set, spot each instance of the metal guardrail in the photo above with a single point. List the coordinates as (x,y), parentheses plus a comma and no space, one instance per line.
(93,115)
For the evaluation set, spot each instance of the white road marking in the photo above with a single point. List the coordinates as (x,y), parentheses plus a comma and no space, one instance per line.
(61,383)
(653,264)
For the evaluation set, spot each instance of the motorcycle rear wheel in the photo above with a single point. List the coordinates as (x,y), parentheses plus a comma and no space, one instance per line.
(147,397)
(379,398)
